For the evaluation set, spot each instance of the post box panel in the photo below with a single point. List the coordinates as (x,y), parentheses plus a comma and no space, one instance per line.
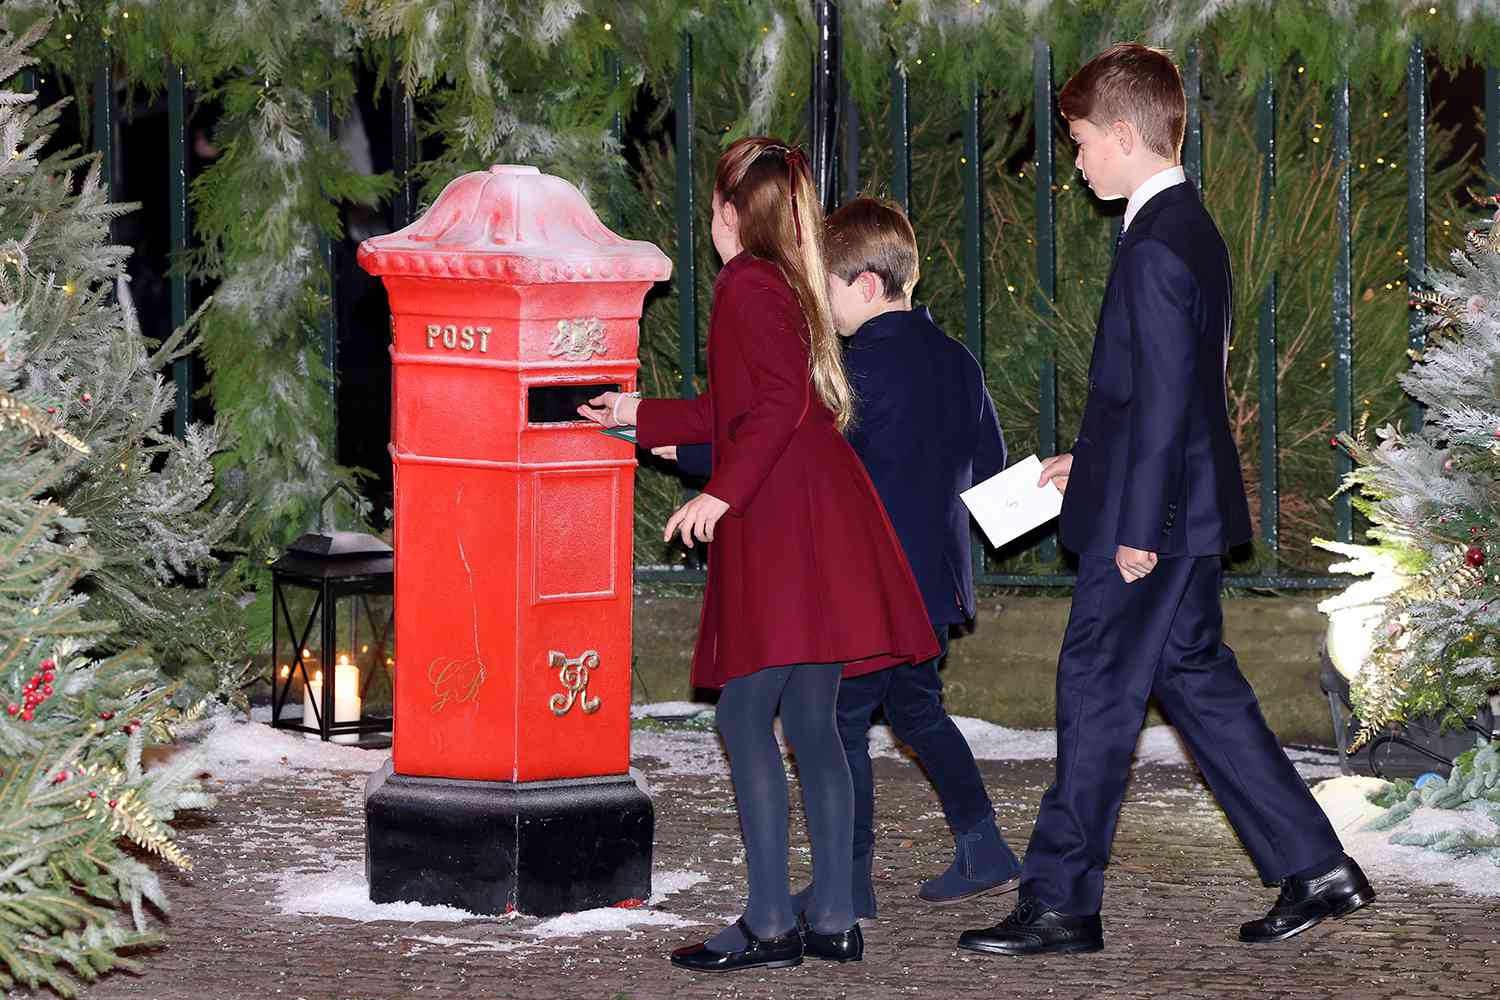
(456,599)
(574,523)
(573,697)
(573,684)
(543,323)
(579,336)
(456,412)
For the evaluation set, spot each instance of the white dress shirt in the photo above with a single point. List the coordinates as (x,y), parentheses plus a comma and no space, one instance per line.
(1150,188)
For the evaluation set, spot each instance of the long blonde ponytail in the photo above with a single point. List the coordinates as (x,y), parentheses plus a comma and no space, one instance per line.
(760,177)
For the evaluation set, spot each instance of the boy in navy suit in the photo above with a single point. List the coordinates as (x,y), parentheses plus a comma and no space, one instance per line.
(1152,499)
(925,428)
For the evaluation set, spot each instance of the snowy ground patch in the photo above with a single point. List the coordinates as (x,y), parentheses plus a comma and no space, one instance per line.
(240,751)
(671,711)
(688,751)
(1346,802)
(342,892)
(987,740)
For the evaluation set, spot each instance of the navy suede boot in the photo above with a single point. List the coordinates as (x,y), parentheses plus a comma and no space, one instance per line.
(864,890)
(982,863)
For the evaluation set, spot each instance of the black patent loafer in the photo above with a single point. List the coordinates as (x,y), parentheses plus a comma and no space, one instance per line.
(1305,903)
(1033,929)
(841,946)
(769,953)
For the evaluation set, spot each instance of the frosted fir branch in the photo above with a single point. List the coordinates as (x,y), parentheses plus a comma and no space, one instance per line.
(555,21)
(766,70)
(280,115)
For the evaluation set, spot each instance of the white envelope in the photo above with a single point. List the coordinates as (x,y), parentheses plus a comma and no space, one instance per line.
(1010,504)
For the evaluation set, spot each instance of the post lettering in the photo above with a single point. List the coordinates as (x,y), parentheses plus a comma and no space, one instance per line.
(456,338)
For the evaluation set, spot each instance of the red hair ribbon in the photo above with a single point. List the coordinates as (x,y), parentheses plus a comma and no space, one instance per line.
(795,158)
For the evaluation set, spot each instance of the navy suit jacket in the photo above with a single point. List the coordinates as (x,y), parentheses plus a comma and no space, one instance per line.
(1155,465)
(926,429)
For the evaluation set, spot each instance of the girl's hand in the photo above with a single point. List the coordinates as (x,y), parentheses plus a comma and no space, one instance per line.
(696,519)
(611,409)
(667,451)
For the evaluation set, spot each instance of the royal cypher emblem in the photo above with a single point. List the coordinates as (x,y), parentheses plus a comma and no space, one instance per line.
(577,339)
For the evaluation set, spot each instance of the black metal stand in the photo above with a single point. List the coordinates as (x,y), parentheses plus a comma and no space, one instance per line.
(541,848)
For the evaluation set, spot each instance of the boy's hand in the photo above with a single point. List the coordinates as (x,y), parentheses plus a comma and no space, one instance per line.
(1056,470)
(614,409)
(696,519)
(1133,564)
(667,451)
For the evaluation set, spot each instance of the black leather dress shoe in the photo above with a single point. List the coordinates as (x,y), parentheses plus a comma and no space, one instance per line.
(1307,902)
(771,953)
(1032,929)
(842,946)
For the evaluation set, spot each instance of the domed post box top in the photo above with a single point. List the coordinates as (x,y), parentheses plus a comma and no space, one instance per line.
(516,224)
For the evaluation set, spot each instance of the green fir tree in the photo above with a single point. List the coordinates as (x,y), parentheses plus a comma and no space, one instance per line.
(154,523)
(72,723)
(1430,495)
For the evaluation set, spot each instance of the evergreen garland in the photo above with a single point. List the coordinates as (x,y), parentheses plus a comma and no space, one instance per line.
(517,80)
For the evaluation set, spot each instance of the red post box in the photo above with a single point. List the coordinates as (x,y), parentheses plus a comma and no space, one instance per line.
(509,784)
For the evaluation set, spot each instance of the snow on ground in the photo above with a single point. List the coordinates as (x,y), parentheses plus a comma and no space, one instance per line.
(686,752)
(987,740)
(671,710)
(697,751)
(240,751)
(342,892)
(1346,802)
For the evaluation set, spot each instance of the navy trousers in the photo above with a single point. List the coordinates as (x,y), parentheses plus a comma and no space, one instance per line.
(912,696)
(1161,635)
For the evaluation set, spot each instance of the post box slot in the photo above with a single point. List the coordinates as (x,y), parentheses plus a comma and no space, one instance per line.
(558,404)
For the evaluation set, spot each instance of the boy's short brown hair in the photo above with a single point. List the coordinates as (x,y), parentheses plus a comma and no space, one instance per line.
(872,235)
(1134,83)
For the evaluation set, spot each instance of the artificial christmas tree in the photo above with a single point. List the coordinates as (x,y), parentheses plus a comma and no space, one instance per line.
(154,524)
(1430,495)
(72,727)
(101,517)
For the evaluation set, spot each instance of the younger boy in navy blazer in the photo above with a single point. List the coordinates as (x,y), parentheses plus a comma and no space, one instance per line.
(925,428)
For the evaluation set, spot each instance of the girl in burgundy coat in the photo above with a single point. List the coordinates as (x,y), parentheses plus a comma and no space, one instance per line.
(806,580)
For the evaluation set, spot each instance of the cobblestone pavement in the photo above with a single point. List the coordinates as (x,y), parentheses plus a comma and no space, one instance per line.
(1176,892)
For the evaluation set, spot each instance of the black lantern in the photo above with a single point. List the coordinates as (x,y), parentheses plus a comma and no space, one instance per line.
(333,635)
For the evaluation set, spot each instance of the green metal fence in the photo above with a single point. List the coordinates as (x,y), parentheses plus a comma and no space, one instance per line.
(836,151)
(1044,174)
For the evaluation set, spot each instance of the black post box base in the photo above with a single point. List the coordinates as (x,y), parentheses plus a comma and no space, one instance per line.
(542,848)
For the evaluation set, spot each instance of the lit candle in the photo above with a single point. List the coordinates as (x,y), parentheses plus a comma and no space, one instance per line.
(346,698)
(312,694)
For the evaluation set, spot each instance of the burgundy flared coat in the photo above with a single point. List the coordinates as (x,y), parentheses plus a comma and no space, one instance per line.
(805,567)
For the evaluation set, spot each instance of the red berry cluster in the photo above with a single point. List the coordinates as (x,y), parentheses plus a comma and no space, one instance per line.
(38,688)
